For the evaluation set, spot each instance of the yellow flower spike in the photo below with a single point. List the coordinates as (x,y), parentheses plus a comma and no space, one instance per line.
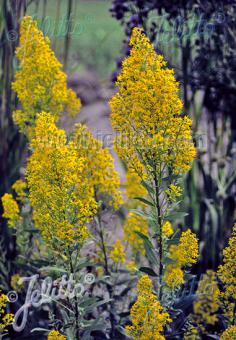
(208,300)
(99,167)
(183,254)
(229,333)
(167,229)
(117,254)
(147,315)
(186,252)
(39,83)
(146,113)
(20,186)
(61,195)
(133,224)
(174,276)
(10,210)
(226,274)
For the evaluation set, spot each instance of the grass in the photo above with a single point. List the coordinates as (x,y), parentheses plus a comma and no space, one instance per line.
(95,37)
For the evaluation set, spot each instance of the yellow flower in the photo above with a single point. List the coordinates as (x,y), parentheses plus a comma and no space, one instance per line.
(99,167)
(7,319)
(147,315)
(167,229)
(40,83)
(192,333)
(118,252)
(229,333)
(133,188)
(174,276)
(19,186)
(173,192)
(182,254)
(10,210)
(133,224)
(153,136)
(186,252)
(226,273)
(55,335)
(208,300)
(131,265)
(61,195)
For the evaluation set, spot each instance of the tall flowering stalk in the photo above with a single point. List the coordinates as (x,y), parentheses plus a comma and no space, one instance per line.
(147,315)
(39,83)
(154,139)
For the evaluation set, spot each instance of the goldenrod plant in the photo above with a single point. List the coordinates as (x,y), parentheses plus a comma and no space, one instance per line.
(134,272)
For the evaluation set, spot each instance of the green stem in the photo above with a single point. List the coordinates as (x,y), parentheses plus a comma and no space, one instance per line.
(77,330)
(159,220)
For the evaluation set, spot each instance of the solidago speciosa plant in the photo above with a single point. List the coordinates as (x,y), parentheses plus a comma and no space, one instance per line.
(154,140)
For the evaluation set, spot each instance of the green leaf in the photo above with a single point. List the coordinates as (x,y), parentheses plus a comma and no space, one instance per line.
(97,304)
(144,201)
(148,271)
(145,238)
(53,269)
(81,265)
(139,213)
(171,178)
(148,187)
(175,215)
(149,249)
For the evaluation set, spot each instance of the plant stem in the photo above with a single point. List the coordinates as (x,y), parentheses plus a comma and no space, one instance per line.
(158,211)
(107,272)
(77,331)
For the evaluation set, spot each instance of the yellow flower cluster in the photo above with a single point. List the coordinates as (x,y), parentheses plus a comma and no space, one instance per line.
(183,254)
(227,271)
(5,320)
(40,83)
(174,276)
(61,196)
(208,301)
(146,113)
(131,266)
(20,188)
(167,229)
(147,315)
(186,252)
(133,188)
(117,254)
(229,333)
(172,192)
(191,333)
(99,167)
(10,210)
(227,275)
(55,335)
(135,223)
